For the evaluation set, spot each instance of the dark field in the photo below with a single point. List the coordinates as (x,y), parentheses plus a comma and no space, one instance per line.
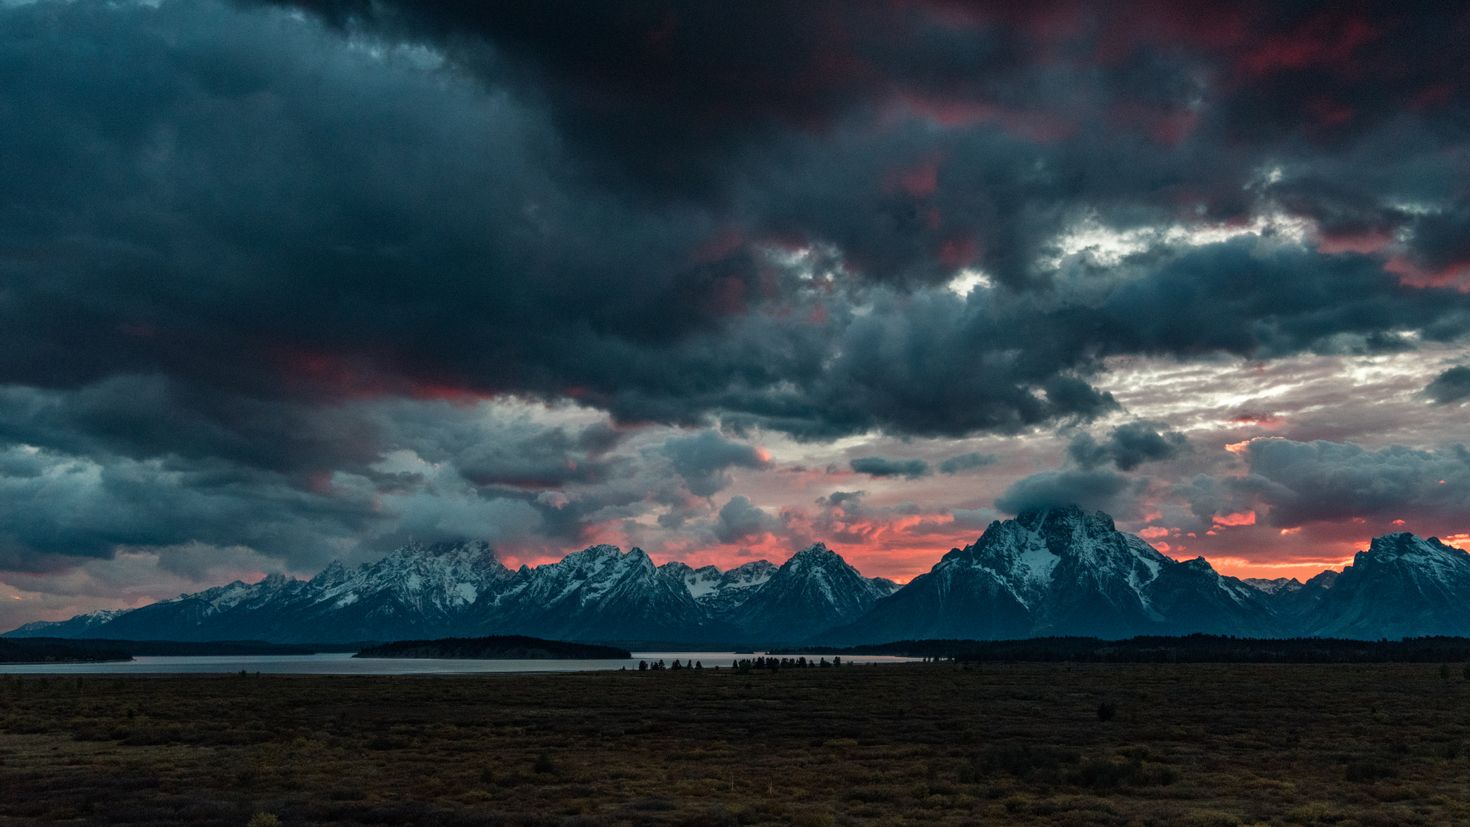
(917,744)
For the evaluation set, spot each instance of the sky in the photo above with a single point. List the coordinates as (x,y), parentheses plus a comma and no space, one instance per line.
(288,282)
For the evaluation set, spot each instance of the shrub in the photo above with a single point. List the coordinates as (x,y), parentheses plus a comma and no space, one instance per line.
(1106,710)
(813,818)
(544,764)
(1022,760)
(1107,773)
(263,820)
(1369,771)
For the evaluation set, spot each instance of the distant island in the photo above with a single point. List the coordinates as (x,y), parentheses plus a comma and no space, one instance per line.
(48,650)
(497,647)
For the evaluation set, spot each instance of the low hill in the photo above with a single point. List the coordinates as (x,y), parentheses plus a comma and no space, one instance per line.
(193,648)
(43,650)
(498,647)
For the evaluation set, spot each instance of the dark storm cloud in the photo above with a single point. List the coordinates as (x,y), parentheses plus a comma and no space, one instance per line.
(704,460)
(1140,102)
(139,417)
(890,467)
(59,507)
(1451,386)
(324,275)
(1087,451)
(960,463)
(1093,489)
(1128,446)
(1303,482)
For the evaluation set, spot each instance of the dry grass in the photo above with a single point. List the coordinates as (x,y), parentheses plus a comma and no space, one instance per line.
(916,744)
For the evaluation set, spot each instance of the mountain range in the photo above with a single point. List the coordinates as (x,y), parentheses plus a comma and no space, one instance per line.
(1050,571)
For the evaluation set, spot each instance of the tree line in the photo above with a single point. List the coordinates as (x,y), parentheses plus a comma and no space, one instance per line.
(770,664)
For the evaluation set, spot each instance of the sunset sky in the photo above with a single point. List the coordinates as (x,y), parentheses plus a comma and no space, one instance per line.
(282,283)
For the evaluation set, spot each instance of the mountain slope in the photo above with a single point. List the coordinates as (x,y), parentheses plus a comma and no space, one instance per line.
(813,591)
(599,593)
(420,589)
(1402,586)
(721,592)
(1061,571)
(82,625)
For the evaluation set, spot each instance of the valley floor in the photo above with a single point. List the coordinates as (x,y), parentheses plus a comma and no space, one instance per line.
(916,744)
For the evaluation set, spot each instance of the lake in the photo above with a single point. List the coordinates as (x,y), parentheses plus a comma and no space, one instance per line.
(343,663)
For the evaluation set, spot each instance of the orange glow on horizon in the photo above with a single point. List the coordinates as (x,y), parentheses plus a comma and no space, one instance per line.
(1299,569)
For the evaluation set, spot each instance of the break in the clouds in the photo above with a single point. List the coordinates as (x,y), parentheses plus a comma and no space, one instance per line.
(287,281)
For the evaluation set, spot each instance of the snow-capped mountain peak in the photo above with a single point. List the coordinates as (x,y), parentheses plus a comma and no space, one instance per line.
(1401,585)
(1049,571)
(1274,585)
(814,589)
(1061,571)
(432,576)
(605,557)
(1403,546)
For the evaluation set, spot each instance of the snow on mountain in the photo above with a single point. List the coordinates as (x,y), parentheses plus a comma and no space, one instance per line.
(433,590)
(1275,585)
(721,593)
(813,591)
(1401,586)
(420,588)
(700,582)
(885,585)
(1057,571)
(599,593)
(442,578)
(80,626)
(1062,571)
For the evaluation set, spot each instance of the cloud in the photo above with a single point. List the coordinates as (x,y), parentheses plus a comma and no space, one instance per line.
(711,316)
(960,463)
(1451,386)
(1091,489)
(741,521)
(890,467)
(1303,482)
(62,507)
(704,460)
(1128,446)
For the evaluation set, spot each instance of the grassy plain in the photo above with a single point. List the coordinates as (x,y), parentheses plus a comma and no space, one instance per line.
(908,744)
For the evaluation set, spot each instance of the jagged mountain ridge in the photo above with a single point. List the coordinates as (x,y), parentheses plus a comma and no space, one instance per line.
(1057,571)
(816,588)
(1062,571)
(1402,586)
(461,589)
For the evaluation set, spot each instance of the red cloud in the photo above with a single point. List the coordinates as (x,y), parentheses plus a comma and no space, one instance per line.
(1241,518)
